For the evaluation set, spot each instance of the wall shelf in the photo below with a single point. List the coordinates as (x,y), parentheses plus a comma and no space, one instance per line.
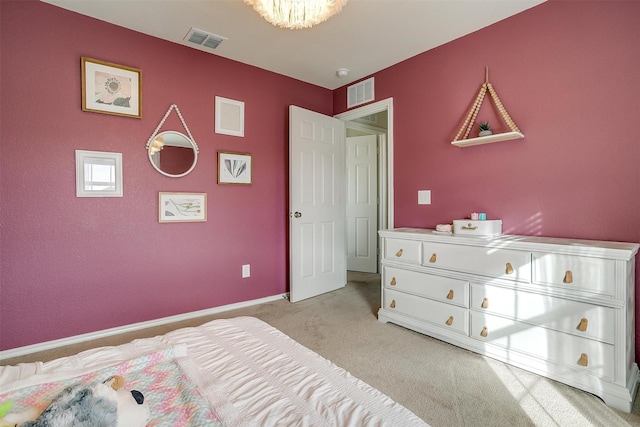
(468,124)
(488,139)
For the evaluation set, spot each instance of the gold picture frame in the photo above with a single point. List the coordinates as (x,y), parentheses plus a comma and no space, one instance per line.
(111,88)
(234,168)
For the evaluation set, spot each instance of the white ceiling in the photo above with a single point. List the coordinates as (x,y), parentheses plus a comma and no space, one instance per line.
(366,37)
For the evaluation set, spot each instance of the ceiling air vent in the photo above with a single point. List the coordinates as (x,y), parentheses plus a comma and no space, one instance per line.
(202,38)
(360,93)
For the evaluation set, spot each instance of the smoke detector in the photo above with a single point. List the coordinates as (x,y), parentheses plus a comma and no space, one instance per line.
(342,72)
(203,38)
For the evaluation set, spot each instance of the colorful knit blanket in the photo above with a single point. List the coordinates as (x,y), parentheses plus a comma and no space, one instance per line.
(173,400)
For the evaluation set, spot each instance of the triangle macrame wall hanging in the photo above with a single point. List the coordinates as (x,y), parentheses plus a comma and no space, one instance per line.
(465,130)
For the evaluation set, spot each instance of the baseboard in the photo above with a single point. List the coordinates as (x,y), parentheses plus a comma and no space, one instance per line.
(48,345)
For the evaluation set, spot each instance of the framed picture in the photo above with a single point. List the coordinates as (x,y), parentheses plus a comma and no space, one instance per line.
(234,168)
(182,207)
(98,174)
(229,117)
(110,88)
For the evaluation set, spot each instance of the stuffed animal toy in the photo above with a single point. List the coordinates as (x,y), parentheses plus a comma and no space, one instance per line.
(105,404)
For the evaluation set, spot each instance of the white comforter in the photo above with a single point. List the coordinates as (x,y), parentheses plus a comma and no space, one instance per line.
(253,375)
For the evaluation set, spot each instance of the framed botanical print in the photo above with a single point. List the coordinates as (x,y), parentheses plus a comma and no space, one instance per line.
(234,168)
(111,88)
(182,207)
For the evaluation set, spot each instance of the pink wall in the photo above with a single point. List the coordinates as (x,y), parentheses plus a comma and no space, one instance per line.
(566,71)
(568,74)
(74,265)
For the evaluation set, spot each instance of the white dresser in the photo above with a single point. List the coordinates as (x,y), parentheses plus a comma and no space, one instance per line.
(560,308)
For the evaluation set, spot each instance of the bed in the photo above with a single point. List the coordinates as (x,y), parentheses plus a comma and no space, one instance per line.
(227,372)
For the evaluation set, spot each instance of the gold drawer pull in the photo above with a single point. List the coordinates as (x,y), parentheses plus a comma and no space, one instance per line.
(583,324)
(449,321)
(399,253)
(509,268)
(450,294)
(433,258)
(484,332)
(568,277)
(485,303)
(393,304)
(584,360)
(393,281)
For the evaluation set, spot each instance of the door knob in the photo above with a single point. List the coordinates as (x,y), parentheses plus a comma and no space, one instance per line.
(297,214)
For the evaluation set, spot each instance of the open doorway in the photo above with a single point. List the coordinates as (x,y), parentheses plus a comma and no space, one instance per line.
(367,125)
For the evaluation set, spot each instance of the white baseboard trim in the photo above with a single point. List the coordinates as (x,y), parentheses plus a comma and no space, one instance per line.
(48,345)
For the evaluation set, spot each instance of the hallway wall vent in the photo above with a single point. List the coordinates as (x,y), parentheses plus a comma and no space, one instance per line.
(360,93)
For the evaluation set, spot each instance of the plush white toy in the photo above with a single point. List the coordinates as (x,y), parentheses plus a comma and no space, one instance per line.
(105,404)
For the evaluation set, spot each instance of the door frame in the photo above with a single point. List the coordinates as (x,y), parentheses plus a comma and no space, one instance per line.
(386,154)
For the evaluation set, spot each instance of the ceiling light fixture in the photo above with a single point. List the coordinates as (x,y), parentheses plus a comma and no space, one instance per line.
(296,14)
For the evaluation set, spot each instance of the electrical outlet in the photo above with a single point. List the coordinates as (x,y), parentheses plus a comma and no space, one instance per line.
(246,271)
(424,197)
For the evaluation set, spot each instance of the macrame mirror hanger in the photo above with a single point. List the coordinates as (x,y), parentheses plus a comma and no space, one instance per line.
(184,124)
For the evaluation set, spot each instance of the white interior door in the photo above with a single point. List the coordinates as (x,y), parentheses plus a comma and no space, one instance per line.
(362,203)
(317,204)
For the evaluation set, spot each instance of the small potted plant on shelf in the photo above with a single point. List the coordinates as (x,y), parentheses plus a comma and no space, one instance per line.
(485,129)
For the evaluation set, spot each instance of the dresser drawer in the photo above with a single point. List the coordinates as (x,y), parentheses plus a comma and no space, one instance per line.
(445,289)
(500,263)
(444,315)
(595,357)
(577,318)
(576,273)
(402,250)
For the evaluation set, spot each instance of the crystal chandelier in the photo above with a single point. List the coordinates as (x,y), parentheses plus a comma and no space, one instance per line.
(295,14)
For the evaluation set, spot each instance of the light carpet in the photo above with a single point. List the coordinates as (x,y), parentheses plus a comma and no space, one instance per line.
(441,383)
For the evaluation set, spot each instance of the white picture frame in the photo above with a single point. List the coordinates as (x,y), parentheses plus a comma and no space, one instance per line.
(98,174)
(182,207)
(229,117)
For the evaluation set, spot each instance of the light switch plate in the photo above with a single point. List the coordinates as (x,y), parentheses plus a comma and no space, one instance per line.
(246,271)
(424,197)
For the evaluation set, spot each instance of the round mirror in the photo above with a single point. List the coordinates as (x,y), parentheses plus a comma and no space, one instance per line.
(173,154)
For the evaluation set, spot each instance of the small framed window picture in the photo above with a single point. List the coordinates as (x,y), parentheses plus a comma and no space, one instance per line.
(98,174)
